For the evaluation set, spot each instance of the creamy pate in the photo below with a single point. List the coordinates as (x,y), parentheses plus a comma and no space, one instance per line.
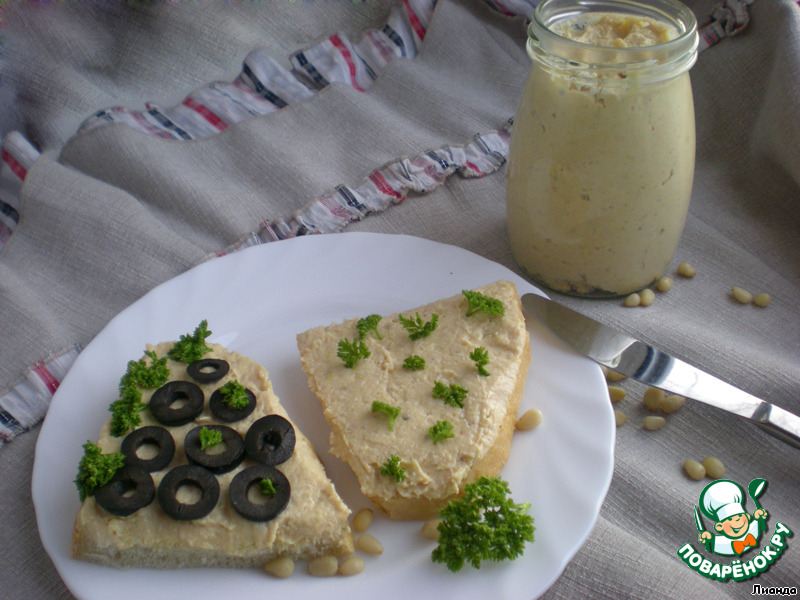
(601,166)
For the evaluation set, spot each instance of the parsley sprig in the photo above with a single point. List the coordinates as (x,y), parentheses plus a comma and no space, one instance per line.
(414,363)
(139,374)
(190,348)
(234,394)
(441,431)
(452,394)
(417,328)
(391,468)
(209,438)
(96,469)
(391,412)
(477,302)
(367,324)
(351,352)
(481,358)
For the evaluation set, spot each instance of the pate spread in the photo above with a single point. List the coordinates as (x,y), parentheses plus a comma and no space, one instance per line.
(363,439)
(313,523)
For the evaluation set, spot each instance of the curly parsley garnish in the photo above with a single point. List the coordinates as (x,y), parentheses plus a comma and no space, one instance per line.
(451,394)
(414,363)
(209,438)
(391,412)
(234,394)
(483,524)
(352,352)
(96,469)
(139,374)
(441,431)
(367,324)
(477,302)
(417,328)
(481,358)
(190,348)
(391,468)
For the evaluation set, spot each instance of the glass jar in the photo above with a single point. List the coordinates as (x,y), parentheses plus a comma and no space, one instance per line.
(602,150)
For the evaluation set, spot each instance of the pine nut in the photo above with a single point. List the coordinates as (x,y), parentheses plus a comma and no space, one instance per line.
(672,404)
(351,566)
(614,376)
(762,299)
(653,398)
(369,544)
(714,467)
(281,567)
(664,284)
(694,469)
(616,393)
(654,423)
(362,520)
(620,418)
(647,296)
(323,566)
(686,270)
(741,295)
(632,300)
(430,530)
(530,419)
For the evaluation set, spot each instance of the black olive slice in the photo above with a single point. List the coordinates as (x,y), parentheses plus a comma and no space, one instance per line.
(151,435)
(188,475)
(208,370)
(227,413)
(216,462)
(270,440)
(268,507)
(188,395)
(130,489)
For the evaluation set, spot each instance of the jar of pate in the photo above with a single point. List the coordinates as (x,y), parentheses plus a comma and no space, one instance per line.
(602,150)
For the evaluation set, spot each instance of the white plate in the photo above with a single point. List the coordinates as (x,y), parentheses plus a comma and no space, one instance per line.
(256,301)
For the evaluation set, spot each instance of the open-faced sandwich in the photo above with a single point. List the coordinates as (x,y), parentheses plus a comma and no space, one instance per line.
(422,402)
(199,465)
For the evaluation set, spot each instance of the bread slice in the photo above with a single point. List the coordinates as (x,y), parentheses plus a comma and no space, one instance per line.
(482,430)
(313,523)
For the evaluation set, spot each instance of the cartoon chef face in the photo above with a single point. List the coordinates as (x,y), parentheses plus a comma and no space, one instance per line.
(734,526)
(722,501)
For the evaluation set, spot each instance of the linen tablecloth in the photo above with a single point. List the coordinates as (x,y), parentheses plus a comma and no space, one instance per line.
(150,138)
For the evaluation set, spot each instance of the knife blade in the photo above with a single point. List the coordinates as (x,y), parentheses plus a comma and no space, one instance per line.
(642,362)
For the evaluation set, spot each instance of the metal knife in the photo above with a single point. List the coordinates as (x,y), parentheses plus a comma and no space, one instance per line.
(637,360)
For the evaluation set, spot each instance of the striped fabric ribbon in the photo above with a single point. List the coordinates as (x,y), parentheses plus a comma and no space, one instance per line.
(264,86)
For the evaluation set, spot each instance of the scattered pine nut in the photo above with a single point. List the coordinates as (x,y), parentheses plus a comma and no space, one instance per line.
(672,404)
(369,544)
(530,419)
(362,520)
(686,270)
(633,299)
(714,467)
(613,376)
(430,530)
(762,299)
(654,423)
(620,418)
(281,567)
(616,393)
(323,566)
(741,295)
(653,399)
(664,284)
(351,566)
(647,297)
(694,469)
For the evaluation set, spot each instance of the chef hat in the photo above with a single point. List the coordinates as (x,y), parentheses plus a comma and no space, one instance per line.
(722,499)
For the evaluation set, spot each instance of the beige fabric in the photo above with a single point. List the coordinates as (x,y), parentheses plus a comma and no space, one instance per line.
(84,215)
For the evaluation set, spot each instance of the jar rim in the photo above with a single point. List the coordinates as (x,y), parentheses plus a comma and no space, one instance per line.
(681,49)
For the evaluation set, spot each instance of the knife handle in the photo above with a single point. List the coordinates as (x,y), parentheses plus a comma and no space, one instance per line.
(779,423)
